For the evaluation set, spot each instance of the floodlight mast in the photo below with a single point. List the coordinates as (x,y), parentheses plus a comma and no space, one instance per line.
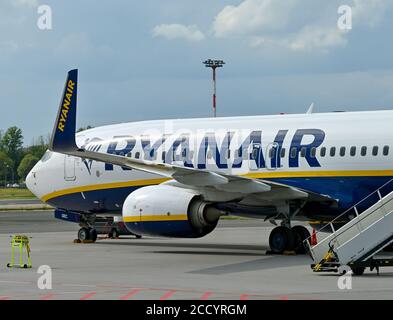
(214,64)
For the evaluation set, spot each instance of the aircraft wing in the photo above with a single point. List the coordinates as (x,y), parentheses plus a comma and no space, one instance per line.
(63,141)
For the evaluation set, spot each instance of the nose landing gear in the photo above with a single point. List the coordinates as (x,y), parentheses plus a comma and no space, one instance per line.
(87,234)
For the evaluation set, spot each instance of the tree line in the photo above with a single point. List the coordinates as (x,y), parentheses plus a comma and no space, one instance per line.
(16,160)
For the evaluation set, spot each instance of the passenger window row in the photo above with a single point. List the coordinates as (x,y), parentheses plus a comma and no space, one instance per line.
(342,151)
(332,152)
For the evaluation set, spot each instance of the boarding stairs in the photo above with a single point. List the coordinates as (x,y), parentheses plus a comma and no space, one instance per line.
(356,242)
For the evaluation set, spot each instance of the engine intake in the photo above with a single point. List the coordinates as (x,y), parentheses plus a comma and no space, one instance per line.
(170,212)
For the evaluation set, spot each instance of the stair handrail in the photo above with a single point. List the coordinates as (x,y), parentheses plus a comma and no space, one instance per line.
(330,224)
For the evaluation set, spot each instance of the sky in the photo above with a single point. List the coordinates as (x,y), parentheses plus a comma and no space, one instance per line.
(142,60)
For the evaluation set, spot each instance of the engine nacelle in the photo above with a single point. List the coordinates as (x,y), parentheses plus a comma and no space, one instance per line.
(170,212)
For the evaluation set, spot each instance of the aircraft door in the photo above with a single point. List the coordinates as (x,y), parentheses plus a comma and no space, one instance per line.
(255,157)
(272,156)
(69,168)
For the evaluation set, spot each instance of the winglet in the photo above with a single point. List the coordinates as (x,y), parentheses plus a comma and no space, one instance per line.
(63,135)
(310,109)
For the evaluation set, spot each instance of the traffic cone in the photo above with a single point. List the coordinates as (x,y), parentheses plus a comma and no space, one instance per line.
(314,240)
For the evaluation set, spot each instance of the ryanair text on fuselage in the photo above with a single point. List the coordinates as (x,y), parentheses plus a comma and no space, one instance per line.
(178,149)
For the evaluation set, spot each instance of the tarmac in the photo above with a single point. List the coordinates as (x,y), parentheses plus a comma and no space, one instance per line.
(230,263)
(23,204)
(19,201)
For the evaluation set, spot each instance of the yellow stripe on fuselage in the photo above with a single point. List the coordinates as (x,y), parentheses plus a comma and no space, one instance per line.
(318,174)
(153,218)
(112,185)
(255,175)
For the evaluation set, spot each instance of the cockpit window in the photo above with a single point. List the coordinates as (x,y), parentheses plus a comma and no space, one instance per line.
(47,155)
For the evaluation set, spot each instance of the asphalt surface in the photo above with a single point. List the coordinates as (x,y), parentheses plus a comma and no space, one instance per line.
(230,263)
(19,201)
(14,222)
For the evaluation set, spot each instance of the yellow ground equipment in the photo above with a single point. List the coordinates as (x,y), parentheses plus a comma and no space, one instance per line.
(19,241)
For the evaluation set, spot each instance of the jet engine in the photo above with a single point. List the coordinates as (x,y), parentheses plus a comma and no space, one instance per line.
(169,211)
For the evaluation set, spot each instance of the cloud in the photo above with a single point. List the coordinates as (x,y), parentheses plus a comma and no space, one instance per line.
(178,31)
(294,24)
(251,16)
(317,38)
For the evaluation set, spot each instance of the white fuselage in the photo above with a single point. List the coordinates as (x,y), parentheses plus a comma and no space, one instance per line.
(307,150)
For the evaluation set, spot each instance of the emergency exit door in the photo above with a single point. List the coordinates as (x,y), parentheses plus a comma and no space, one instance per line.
(69,168)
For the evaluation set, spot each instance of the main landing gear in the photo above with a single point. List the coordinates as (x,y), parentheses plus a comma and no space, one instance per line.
(286,238)
(283,239)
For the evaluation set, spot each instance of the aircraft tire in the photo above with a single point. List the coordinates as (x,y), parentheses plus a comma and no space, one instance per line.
(281,239)
(83,234)
(301,234)
(92,234)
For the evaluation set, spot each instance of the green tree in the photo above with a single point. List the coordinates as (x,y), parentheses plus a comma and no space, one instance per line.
(26,165)
(38,148)
(6,165)
(12,142)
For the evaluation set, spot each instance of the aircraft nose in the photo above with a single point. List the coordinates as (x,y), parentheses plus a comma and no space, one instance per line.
(31,182)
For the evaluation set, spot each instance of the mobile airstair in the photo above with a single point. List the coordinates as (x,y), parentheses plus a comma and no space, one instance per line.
(355,243)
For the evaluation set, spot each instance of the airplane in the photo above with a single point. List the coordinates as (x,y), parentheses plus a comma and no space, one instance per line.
(177,178)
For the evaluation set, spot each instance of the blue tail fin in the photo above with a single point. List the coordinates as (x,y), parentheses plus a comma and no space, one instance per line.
(63,135)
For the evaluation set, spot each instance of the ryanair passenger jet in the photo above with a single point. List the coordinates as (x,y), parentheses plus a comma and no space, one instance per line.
(176,178)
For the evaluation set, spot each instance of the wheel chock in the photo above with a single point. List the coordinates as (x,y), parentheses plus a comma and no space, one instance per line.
(83,241)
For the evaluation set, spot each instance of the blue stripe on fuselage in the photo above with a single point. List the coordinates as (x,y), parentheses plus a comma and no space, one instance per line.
(347,190)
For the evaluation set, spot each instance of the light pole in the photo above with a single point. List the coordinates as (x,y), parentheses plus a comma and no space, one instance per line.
(214,64)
